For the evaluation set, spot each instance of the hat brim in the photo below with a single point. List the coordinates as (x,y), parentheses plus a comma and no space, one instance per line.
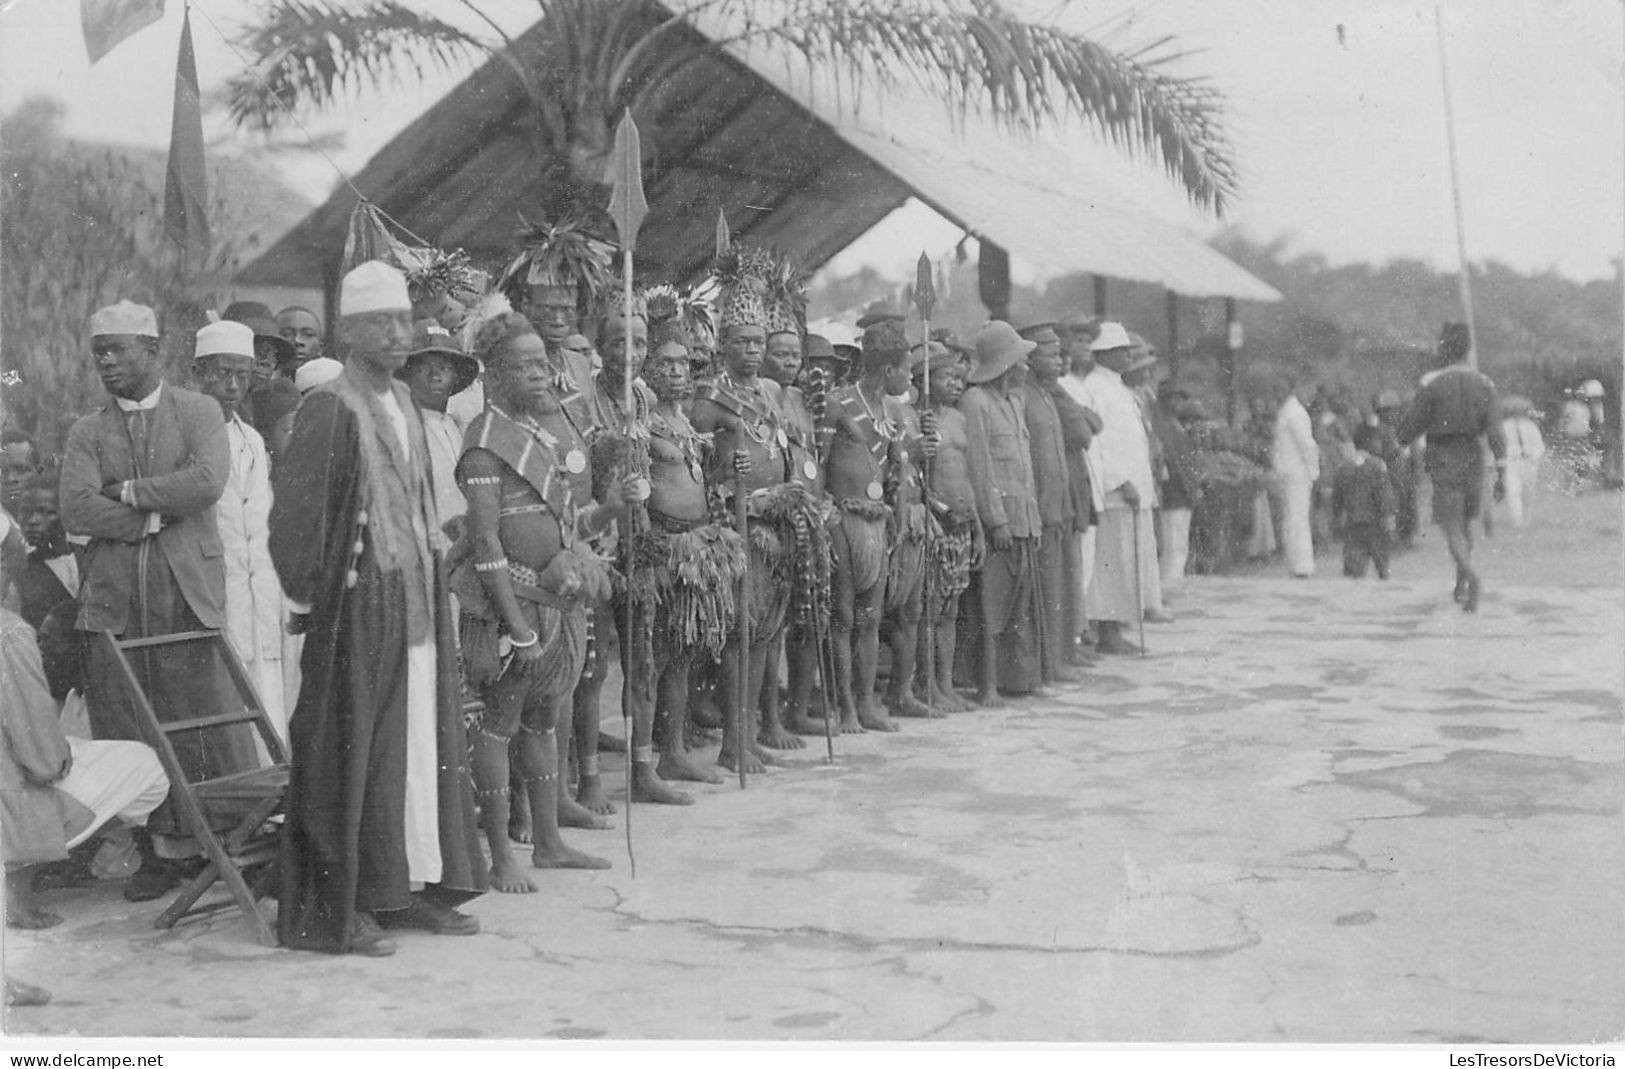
(880,317)
(992,369)
(468,367)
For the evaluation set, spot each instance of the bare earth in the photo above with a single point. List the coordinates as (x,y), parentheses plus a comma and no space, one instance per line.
(1320,811)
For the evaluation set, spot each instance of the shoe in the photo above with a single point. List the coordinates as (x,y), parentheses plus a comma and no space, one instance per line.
(367,939)
(1157,616)
(151,881)
(429,916)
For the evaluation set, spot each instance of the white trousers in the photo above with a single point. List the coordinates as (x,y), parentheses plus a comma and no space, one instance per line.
(422,766)
(113,778)
(1173,545)
(1086,574)
(1297,532)
(1522,474)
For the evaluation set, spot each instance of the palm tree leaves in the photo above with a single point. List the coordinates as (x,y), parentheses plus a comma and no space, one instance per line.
(597,57)
(318,52)
(977,56)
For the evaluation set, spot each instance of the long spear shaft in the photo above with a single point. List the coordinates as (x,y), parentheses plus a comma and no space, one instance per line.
(741,746)
(925,298)
(627,207)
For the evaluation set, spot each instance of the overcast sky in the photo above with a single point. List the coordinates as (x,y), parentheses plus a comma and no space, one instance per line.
(1334,108)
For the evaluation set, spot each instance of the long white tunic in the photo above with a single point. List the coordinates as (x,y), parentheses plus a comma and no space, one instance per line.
(253,595)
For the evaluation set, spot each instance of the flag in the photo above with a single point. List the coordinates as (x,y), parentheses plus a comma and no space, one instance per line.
(185,184)
(106,23)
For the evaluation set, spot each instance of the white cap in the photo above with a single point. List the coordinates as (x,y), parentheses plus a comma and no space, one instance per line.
(225,337)
(1111,336)
(312,373)
(373,287)
(125,317)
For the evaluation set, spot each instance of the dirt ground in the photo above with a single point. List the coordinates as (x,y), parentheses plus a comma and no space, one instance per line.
(1319,811)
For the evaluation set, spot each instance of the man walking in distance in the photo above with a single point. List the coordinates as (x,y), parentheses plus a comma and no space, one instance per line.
(1001,472)
(1456,411)
(526,593)
(379,795)
(141,477)
(224,366)
(1121,454)
(1295,459)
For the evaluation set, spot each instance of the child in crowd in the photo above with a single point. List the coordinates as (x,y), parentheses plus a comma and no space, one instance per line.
(1363,507)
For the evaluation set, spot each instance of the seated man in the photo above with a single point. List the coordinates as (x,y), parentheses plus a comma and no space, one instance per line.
(55,792)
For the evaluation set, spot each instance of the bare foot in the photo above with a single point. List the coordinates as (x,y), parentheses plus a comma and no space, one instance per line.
(851,726)
(647,786)
(565,858)
(32,919)
(779,738)
(753,764)
(803,724)
(875,720)
(682,767)
(590,793)
(948,701)
(909,705)
(507,877)
(574,816)
(770,759)
(989,699)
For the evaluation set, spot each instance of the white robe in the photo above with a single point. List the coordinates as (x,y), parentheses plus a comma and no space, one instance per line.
(1296,461)
(253,595)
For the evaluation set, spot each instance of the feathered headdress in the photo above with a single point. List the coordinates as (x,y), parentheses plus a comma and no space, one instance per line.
(685,315)
(561,254)
(786,296)
(742,275)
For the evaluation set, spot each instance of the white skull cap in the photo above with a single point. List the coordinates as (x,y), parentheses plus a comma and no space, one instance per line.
(373,287)
(125,317)
(225,336)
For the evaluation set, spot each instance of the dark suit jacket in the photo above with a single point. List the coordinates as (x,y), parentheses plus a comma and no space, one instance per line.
(183,474)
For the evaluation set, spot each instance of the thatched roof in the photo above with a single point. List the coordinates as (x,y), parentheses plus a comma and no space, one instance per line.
(790,166)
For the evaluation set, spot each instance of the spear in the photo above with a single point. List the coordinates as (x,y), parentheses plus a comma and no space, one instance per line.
(627,207)
(925,298)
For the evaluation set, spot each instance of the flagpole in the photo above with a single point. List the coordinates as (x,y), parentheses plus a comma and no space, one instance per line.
(1455,191)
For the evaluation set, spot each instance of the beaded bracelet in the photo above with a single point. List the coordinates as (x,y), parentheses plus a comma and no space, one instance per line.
(498,565)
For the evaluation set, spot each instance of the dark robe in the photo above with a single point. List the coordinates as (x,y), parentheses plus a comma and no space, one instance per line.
(344,838)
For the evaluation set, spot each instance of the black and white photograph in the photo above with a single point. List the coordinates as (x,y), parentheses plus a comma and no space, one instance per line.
(813,525)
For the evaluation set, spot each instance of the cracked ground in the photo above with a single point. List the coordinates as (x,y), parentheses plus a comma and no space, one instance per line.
(1323,811)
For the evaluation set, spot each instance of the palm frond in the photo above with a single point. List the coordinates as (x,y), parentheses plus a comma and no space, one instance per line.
(316,53)
(978,56)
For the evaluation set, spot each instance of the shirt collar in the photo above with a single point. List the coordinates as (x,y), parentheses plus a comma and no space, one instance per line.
(146,404)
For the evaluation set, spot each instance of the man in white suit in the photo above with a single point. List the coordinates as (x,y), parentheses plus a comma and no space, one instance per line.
(1296,463)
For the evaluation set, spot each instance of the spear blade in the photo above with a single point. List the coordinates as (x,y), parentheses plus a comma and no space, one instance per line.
(627,206)
(724,238)
(925,287)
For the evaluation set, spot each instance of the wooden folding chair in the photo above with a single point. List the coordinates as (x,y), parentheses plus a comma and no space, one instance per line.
(240,804)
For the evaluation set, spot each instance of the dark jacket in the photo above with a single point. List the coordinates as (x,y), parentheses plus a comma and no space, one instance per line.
(1362,494)
(181,477)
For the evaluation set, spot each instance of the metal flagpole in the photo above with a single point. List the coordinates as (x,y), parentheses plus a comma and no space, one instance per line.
(1455,192)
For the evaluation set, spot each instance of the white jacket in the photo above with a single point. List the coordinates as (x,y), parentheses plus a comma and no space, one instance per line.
(1293,454)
